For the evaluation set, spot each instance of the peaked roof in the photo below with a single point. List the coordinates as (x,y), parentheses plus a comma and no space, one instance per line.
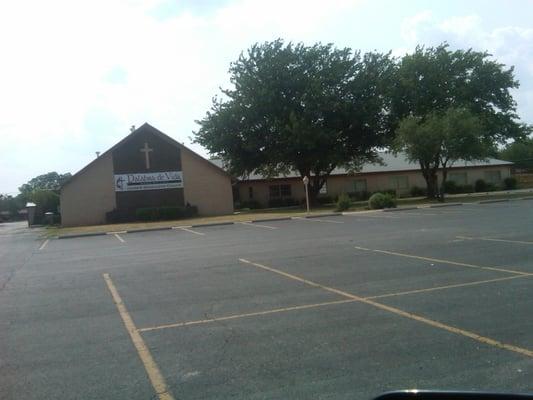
(391,163)
(144,127)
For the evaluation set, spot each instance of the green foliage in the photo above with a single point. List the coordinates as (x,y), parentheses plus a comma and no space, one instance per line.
(417,191)
(359,196)
(282,202)
(520,152)
(438,140)
(11,204)
(343,202)
(481,186)
(49,181)
(165,213)
(451,187)
(46,200)
(302,108)
(250,204)
(381,200)
(435,79)
(509,183)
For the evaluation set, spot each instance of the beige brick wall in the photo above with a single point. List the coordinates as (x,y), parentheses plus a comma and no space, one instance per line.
(345,184)
(205,186)
(86,199)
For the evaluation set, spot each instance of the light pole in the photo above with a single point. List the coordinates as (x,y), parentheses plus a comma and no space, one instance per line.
(306,184)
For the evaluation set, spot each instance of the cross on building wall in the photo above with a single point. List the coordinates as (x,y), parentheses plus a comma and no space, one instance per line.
(146,150)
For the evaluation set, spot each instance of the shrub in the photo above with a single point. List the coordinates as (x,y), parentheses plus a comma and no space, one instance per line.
(390,192)
(418,192)
(451,187)
(325,200)
(381,200)
(165,213)
(359,196)
(509,183)
(467,189)
(480,185)
(282,202)
(251,204)
(343,202)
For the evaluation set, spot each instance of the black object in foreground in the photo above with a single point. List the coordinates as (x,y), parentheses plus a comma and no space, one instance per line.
(444,395)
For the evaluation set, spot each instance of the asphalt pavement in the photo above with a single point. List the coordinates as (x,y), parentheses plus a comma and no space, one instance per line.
(338,307)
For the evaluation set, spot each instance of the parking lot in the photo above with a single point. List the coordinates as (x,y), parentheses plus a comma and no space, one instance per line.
(338,307)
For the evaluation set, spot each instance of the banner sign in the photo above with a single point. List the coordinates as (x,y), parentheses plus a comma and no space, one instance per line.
(148,181)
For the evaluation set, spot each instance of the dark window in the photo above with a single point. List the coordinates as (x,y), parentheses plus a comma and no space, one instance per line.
(273,191)
(250,192)
(285,190)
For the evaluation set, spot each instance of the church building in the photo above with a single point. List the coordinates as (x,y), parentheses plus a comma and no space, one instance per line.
(145,169)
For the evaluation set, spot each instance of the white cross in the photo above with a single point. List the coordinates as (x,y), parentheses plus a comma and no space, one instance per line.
(146,150)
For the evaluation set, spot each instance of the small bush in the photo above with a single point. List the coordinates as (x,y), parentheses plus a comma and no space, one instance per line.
(390,192)
(343,202)
(251,204)
(418,192)
(509,183)
(381,200)
(481,186)
(451,187)
(282,202)
(467,189)
(165,213)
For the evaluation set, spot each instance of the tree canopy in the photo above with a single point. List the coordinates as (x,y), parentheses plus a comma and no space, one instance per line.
(304,108)
(439,140)
(49,181)
(520,152)
(434,79)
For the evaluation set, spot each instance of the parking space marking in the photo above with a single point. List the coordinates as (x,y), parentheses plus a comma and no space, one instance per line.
(494,240)
(238,316)
(437,260)
(119,237)
(250,223)
(44,244)
(154,374)
(446,287)
(318,220)
(188,229)
(397,311)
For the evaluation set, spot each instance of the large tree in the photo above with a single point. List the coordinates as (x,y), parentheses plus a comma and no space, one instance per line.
(300,108)
(434,79)
(520,152)
(439,140)
(49,181)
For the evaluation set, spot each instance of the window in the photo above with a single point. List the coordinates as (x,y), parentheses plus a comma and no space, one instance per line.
(276,191)
(273,191)
(285,190)
(399,182)
(493,176)
(460,178)
(359,185)
(250,192)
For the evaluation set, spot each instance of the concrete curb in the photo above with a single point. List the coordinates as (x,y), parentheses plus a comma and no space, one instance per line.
(334,214)
(400,209)
(213,224)
(78,235)
(163,228)
(271,219)
(445,205)
(526,198)
(493,201)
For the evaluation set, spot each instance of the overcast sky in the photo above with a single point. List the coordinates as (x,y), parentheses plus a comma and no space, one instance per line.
(75,75)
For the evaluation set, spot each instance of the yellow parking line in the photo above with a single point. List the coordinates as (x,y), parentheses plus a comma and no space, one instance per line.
(237,316)
(154,374)
(249,223)
(44,244)
(397,311)
(187,229)
(447,287)
(392,253)
(494,240)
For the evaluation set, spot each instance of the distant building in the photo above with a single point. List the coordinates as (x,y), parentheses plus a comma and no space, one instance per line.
(396,174)
(145,169)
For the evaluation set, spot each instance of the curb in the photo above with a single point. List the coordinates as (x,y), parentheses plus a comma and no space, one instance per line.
(399,209)
(78,235)
(164,228)
(526,198)
(335,214)
(493,201)
(271,219)
(213,224)
(445,205)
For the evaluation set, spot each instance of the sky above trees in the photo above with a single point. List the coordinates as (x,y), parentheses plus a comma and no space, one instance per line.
(76,75)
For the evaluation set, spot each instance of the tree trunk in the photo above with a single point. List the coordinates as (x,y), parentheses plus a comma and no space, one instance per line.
(430,177)
(444,177)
